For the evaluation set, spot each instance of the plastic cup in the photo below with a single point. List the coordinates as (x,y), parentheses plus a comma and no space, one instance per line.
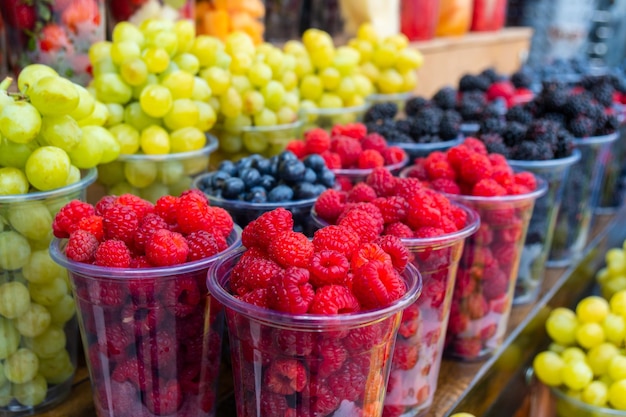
(541,227)
(152,336)
(38,328)
(580,196)
(469,129)
(612,188)
(153,176)
(419,150)
(317,365)
(398,98)
(348,177)
(485,282)
(327,118)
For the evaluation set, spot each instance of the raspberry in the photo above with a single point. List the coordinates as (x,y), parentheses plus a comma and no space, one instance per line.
(120,222)
(393,410)
(505,254)
(94,225)
(165,248)
(476,145)
(458,155)
(165,207)
(329,267)
(418,171)
(148,225)
(467,347)
(140,206)
(488,331)
(475,168)
(423,211)
(113,253)
(488,188)
(291,291)
(382,181)
(435,292)
(141,321)
(318,400)
(332,159)
(330,205)
(361,340)
(68,217)
(328,357)
(410,321)
(157,351)
(377,284)
(140,262)
(366,253)
(109,294)
(352,130)
(297,147)
(374,141)
(192,213)
(405,355)
(526,179)
(368,208)
(165,399)
(333,299)
(248,236)
(393,209)
(477,306)
(349,382)
(398,229)
(499,161)
(337,238)
(104,203)
(343,183)
(316,140)
(220,220)
(272,224)
(348,150)
(437,166)
(181,295)
(503,175)
(113,341)
(81,246)
(291,249)
(256,297)
(294,343)
(253,273)
(369,159)
(393,155)
(360,193)
(445,185)
(407,188)
(133,371)
(397,251)
(273,404)
(363,224)
(201,245)
(285,377)
(428,232)
(496,285)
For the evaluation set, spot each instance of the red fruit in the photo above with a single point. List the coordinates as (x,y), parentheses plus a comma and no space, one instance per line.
(272,224)
(393,155)
(332,159)
(409,324)
(330,204)
(428,232)
(500,89)
(69,216)
(291,291)
(316,140)
(285,376)
(500,305)
(165,248)
(256,297)
(297,147)
(445,185)
(522,95)
(368,252)
(437,166)
(253,273)
(201,245)
(458,322)
(488,188)
(369,159)
(496,286)
(318,400)
(140,206)
(133,371)
(348,149)
(113,254)
(81,11)
(393,209)
(328,356)
(434,292)
(81,246)
(352,130)
(53,38)
(349,382)
(273,404)
(526,179)
(148,225)
(475,145)
(294,342)
(488,331)
(337,238)
(291,249)
(114,341)
(475,168)
(20,14)
(104,203)
(363,224)
(192,213)
(374,141)
(181,296)
(408,188)
(377,284)
(382,181)
(457,155)
(333,299)
(165,207)
(140,262)
(467,348)
(360,193)
(164,399)
(94,225)
(423,212)
(398,229)
(398,252)
(361,340)
(121,223)
(221,221)
(405,355)
(329,267)
(368,208)
(477,306)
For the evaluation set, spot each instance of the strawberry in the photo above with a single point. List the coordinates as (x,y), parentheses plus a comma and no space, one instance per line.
(19,14)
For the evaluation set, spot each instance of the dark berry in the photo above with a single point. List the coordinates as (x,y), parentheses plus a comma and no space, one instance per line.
(291,170)
(233,188)
(315,162)
(250,177)
(218,179)
(267,181)
(414,105)
(519,114)
(280,193)
(492,125)
(470,82)
(522,78)
(581,127)
(256,195)
(327,178)
(287,156)
(533,151)
(513,134)
(491,75)
(264,166)
(381,111)
(445,98)
(228,167)
(309,176)
(304,191)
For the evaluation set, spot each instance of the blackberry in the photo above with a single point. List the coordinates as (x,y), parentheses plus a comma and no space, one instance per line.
(543,131)
(471,106)
(495,109)
(494,144)
(618,82)
(564,144)
(426,122)
(555,117)
(519,114)
(491,75)
(581,127)
(381,127)
(395,136)
(381,111)
(533,151)
(445,98)
(607,124)
(415,104)
(476,96)
(522,78)
(603,94)
(470,82)
(513,134)
(553,100)
(596,111)
(403,126)
(492,125)
(450,125)
(428,139)
(576,105)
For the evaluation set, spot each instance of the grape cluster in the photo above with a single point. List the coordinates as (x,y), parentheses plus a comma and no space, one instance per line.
(612,278)
(48,132)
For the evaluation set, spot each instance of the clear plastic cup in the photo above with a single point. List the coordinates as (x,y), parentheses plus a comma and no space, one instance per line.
(485,282)
(580,196)
(152,336)
(541,227)
(418,150)
(327,118)
(348,177)
(469,129)
(612,188)
(153,176)
(334,365)
(398,98)
(38,327)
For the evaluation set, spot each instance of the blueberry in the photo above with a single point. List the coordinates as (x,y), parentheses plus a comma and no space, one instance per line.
(267,181)
(250,177)
(304,191)
(319,189)
(228,167)
(244,163)
(257,195)
(287,156)
(205,183)
(280,193)
(274,165)
(218,178)
(315,162)
(233,187)
(264,166)
(327,178)
(310,176)
(291,170)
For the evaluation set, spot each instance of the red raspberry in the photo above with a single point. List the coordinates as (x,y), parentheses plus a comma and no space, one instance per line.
(437,166)
(343,183)
(252,273)
(104,203)
(140,262)
(113,253)
(192,213)
(393,209)
(81,246)
(393,155)
(133,371)
(165,207)
(285,376)
(348,150)
(319,400)
(458,321)
(248,236)
(476,145)
(503,175)
(363,224)
(297,147)
(445,185)
(500,305)
(370,209)
(330,204)
(158,351)
(349,382)
(316,140)
(181,295)
(464,285)
(526,179)
(340,239)
(428,232)
(220,220)
(374,141)
(382,181)
(467,347)
(496,286)
(405,355)
(273,404)
(165,399)
(332,159)
(368,252)
(505,254)
(398,229)
(166,248)
(475,168)
(393,410)
(140,206)
(291,291)
(329,267)
(459,216)
(352,130)
(291,249)
(360,193)
(148,225)
(120,222)
(434,292)
(256,297)
(68,217)
(398,252)
(369,159)
(377,284)
(499,161)
(333,299)
(294,342)
(409,324)
(458,155)
(269,225)
(423,212)
(361,340)
(418,170)
(201,245)
(328,357)
(113,341)
(94,225)
(488,331)
(488,188)
(407,188)
(477,306)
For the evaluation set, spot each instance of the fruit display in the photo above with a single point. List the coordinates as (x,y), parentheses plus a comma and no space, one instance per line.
(312,322)
(488,268)
(612,278)
(38,328)
(152,335)
(57,34)
(418,19)
(254,185)
(585,365)
(435,242)
(138,11)
(219,18)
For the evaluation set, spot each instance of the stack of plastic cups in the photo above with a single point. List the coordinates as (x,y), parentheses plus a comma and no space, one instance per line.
(541,227)
(580,196)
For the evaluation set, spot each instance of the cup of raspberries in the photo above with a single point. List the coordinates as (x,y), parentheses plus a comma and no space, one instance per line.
(38,327)
(151,331)
(350,152)
(489,264)
(312,322)
(433,229)
(255,184)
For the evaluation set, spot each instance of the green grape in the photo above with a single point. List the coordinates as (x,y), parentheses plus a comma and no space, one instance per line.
(234,124)
(32,220)
(137,118)
(275,60)
(157,59)
(600,356)
(214,102)
(323,56)
(193,166)
(385,56)
(74,176)
(389,81)
(21,366)
(60,131)
(34,321)
(399,40)
(127,137)
(259,74)
(330,77)
(185,33)
(155,141)
(32,392)
(576,375)
(265,118)
(617,368)
(180,84)
(63,311)
(346,59)
(589,335)
(602,276)
(294,47)
(309,108)
(205,48)
(13,181)
(330,101)
(98,117)
(134,71)
(289,80)
(154,191)
(107,142)
(13,154)
(253,102)
(370,71)
(614,328)
(409,81)
(347,88)
(592,309)
(123,188)
(274,94)
(184,184)
(48,294)
(573,353)
(14,250)
(86,103)
(286,115)
(110,174)
(47,168)
(104,66)
(409,60)
(111,88)
(201,90)
(163,39)
(617,394)
(140,173)
(20,122)
(3,379)
(231,103)
(617,303)
(15,299)
(187,62)
(614,285)
(54,96)
(241,63)
(292,101)
(156,100)
(217,78)
(206,116)
(311,87)
(9,338)
(187,139)
(48,344)
(170,172)
(121,51)
(57,369)
(183,113)
(304,66)
(241,83)
(363,85)
(32,73)
(365,48)
(6,397)
(596,393)
(239,42)
(222,60)
(125,31)
(255,142)
(40,268)
(137,89)
(88,153)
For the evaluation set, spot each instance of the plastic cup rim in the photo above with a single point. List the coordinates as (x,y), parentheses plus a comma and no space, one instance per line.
(367,171)
(334,111)
(430,146)
(239,204)
(87,179)
(550,163)
(381,97)
(207,149)
(276,128)
(542,188)
(596,140)
(584,406)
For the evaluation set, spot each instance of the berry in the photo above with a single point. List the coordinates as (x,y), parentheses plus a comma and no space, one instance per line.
(380,112)
(382,181)
(349,382)
(253,273)
(297,147)
(445,185)
(337,238)
(81,246)
(291,291)
(445,98)
(351,130)
(488,188)
(399,230)
(333,299)
(374,141)
(369,159)
(316,140)
(415,104)
(393,155)
(475,168)
(69,216)
(113,253)
(120,222)
(393,209)
(397,251)
(362,223)
(257,297)
(361,192)
(332,159)
(94,225)
(140,206)
(165,399)
(291,249)
(202,244)
(330,354)
(329,267)
(405,355)
(103,204)
(149,224)
(348,149)
(330,205)
(165,207)
(369,252)
(527,179)
(192,213)
(181,296)
(377,284)
(166,248)
(272,224)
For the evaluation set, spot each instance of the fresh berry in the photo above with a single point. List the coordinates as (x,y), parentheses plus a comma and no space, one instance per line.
(81,246)
(69,216)
(340,239)
(290,291)
(94,225)
(120,222)
(333,299)
(316,141)
(291,249)
(329,267)
(166,248)
(113,254)
(376,284)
